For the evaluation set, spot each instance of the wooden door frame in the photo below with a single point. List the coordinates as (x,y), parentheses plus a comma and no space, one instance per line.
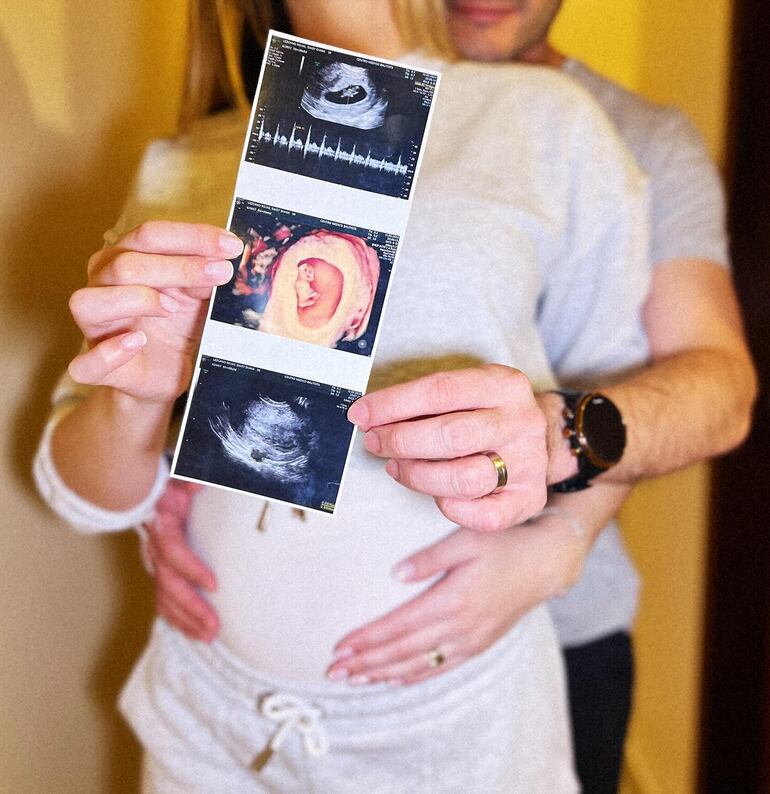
(735,734)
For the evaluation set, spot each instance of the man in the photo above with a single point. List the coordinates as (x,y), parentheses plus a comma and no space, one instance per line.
(701,367)
(692,402)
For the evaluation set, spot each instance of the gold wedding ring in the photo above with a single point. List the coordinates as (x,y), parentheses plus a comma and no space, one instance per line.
(500,468)
(435,658)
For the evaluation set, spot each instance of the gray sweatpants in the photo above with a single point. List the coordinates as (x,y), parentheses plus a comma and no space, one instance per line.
(497,723)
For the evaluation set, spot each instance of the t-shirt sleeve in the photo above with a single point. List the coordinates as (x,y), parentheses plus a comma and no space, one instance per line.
(688,209)
(70,506)
(590,308)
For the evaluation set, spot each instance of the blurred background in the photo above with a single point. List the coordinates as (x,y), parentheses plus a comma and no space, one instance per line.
(84,87)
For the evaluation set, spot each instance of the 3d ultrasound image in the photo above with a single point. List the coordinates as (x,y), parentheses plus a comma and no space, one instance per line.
(340,118)
(306,278)
(267,434)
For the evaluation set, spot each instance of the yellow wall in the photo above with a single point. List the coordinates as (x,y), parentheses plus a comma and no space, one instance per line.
(84,85)
(676,52)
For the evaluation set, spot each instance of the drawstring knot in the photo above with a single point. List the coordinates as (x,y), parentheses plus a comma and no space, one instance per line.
(291,713)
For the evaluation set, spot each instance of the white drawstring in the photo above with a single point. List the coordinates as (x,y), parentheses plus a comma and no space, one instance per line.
(292,713)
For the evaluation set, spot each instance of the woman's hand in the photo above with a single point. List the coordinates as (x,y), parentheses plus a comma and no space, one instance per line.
(489,581)
(143,310)
(179,573)
(436,429)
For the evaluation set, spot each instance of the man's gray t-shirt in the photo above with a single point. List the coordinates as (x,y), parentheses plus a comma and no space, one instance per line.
(687,210)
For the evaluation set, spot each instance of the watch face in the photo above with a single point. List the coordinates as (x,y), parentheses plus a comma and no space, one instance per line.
(604,431)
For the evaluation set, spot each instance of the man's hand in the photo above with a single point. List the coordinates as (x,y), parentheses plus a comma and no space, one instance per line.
(436,429)
(177,569)
(489,581)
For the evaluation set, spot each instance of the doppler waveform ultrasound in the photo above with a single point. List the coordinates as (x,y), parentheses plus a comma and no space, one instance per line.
(340,118)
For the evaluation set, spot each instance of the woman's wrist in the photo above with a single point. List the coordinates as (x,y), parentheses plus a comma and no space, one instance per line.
(567,547)
(107,448)
(147,419)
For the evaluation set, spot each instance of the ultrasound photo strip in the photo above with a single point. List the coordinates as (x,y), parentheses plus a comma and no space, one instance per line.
(322,199)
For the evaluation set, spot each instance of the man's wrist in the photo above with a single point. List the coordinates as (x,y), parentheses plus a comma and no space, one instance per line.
(562,464)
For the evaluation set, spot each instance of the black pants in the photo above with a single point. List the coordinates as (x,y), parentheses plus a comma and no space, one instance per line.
(600,677)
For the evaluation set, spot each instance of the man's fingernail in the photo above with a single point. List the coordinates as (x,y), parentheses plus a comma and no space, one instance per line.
(134,341)
(396,682)
(372,442)
(358,414)
(338,674)
(168,303)
(357,680)
(230,244)
(343,653)
(404,571)
(218,271)
(392,469)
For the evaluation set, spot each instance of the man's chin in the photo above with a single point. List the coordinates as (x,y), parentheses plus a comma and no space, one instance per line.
(484,50)
(487,45)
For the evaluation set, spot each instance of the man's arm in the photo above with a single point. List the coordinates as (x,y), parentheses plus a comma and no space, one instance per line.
(694,400)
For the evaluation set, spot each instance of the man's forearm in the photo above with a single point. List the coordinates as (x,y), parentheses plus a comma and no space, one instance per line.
(684,409)
(694,400)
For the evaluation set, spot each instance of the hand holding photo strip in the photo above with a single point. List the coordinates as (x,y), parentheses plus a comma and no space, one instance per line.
(289,341)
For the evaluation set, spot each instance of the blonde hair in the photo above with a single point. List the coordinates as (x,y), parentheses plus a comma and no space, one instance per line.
(214,78)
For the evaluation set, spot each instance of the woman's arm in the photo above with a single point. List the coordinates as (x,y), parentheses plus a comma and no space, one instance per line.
(141,314)
(488,581)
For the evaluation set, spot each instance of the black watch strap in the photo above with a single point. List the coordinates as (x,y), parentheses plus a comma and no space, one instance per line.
(596,433)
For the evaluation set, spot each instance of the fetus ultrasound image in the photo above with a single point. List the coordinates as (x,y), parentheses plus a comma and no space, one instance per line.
(306,278)
(340,118)
(267,433)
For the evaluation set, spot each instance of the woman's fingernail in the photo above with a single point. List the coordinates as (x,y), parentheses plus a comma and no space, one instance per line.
(134,340)
(396,682)
(392,469)
(230,244)
(357,680)
(168,303)
(219,271)
(338,674)
(343,653)
(404,571)
(372,442)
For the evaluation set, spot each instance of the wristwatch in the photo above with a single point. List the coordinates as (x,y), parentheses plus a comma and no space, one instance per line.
(596,433)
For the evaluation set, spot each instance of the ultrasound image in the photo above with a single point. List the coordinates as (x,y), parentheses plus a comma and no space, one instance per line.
(306,278)
(340,118)
(267,434)
(346,95)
